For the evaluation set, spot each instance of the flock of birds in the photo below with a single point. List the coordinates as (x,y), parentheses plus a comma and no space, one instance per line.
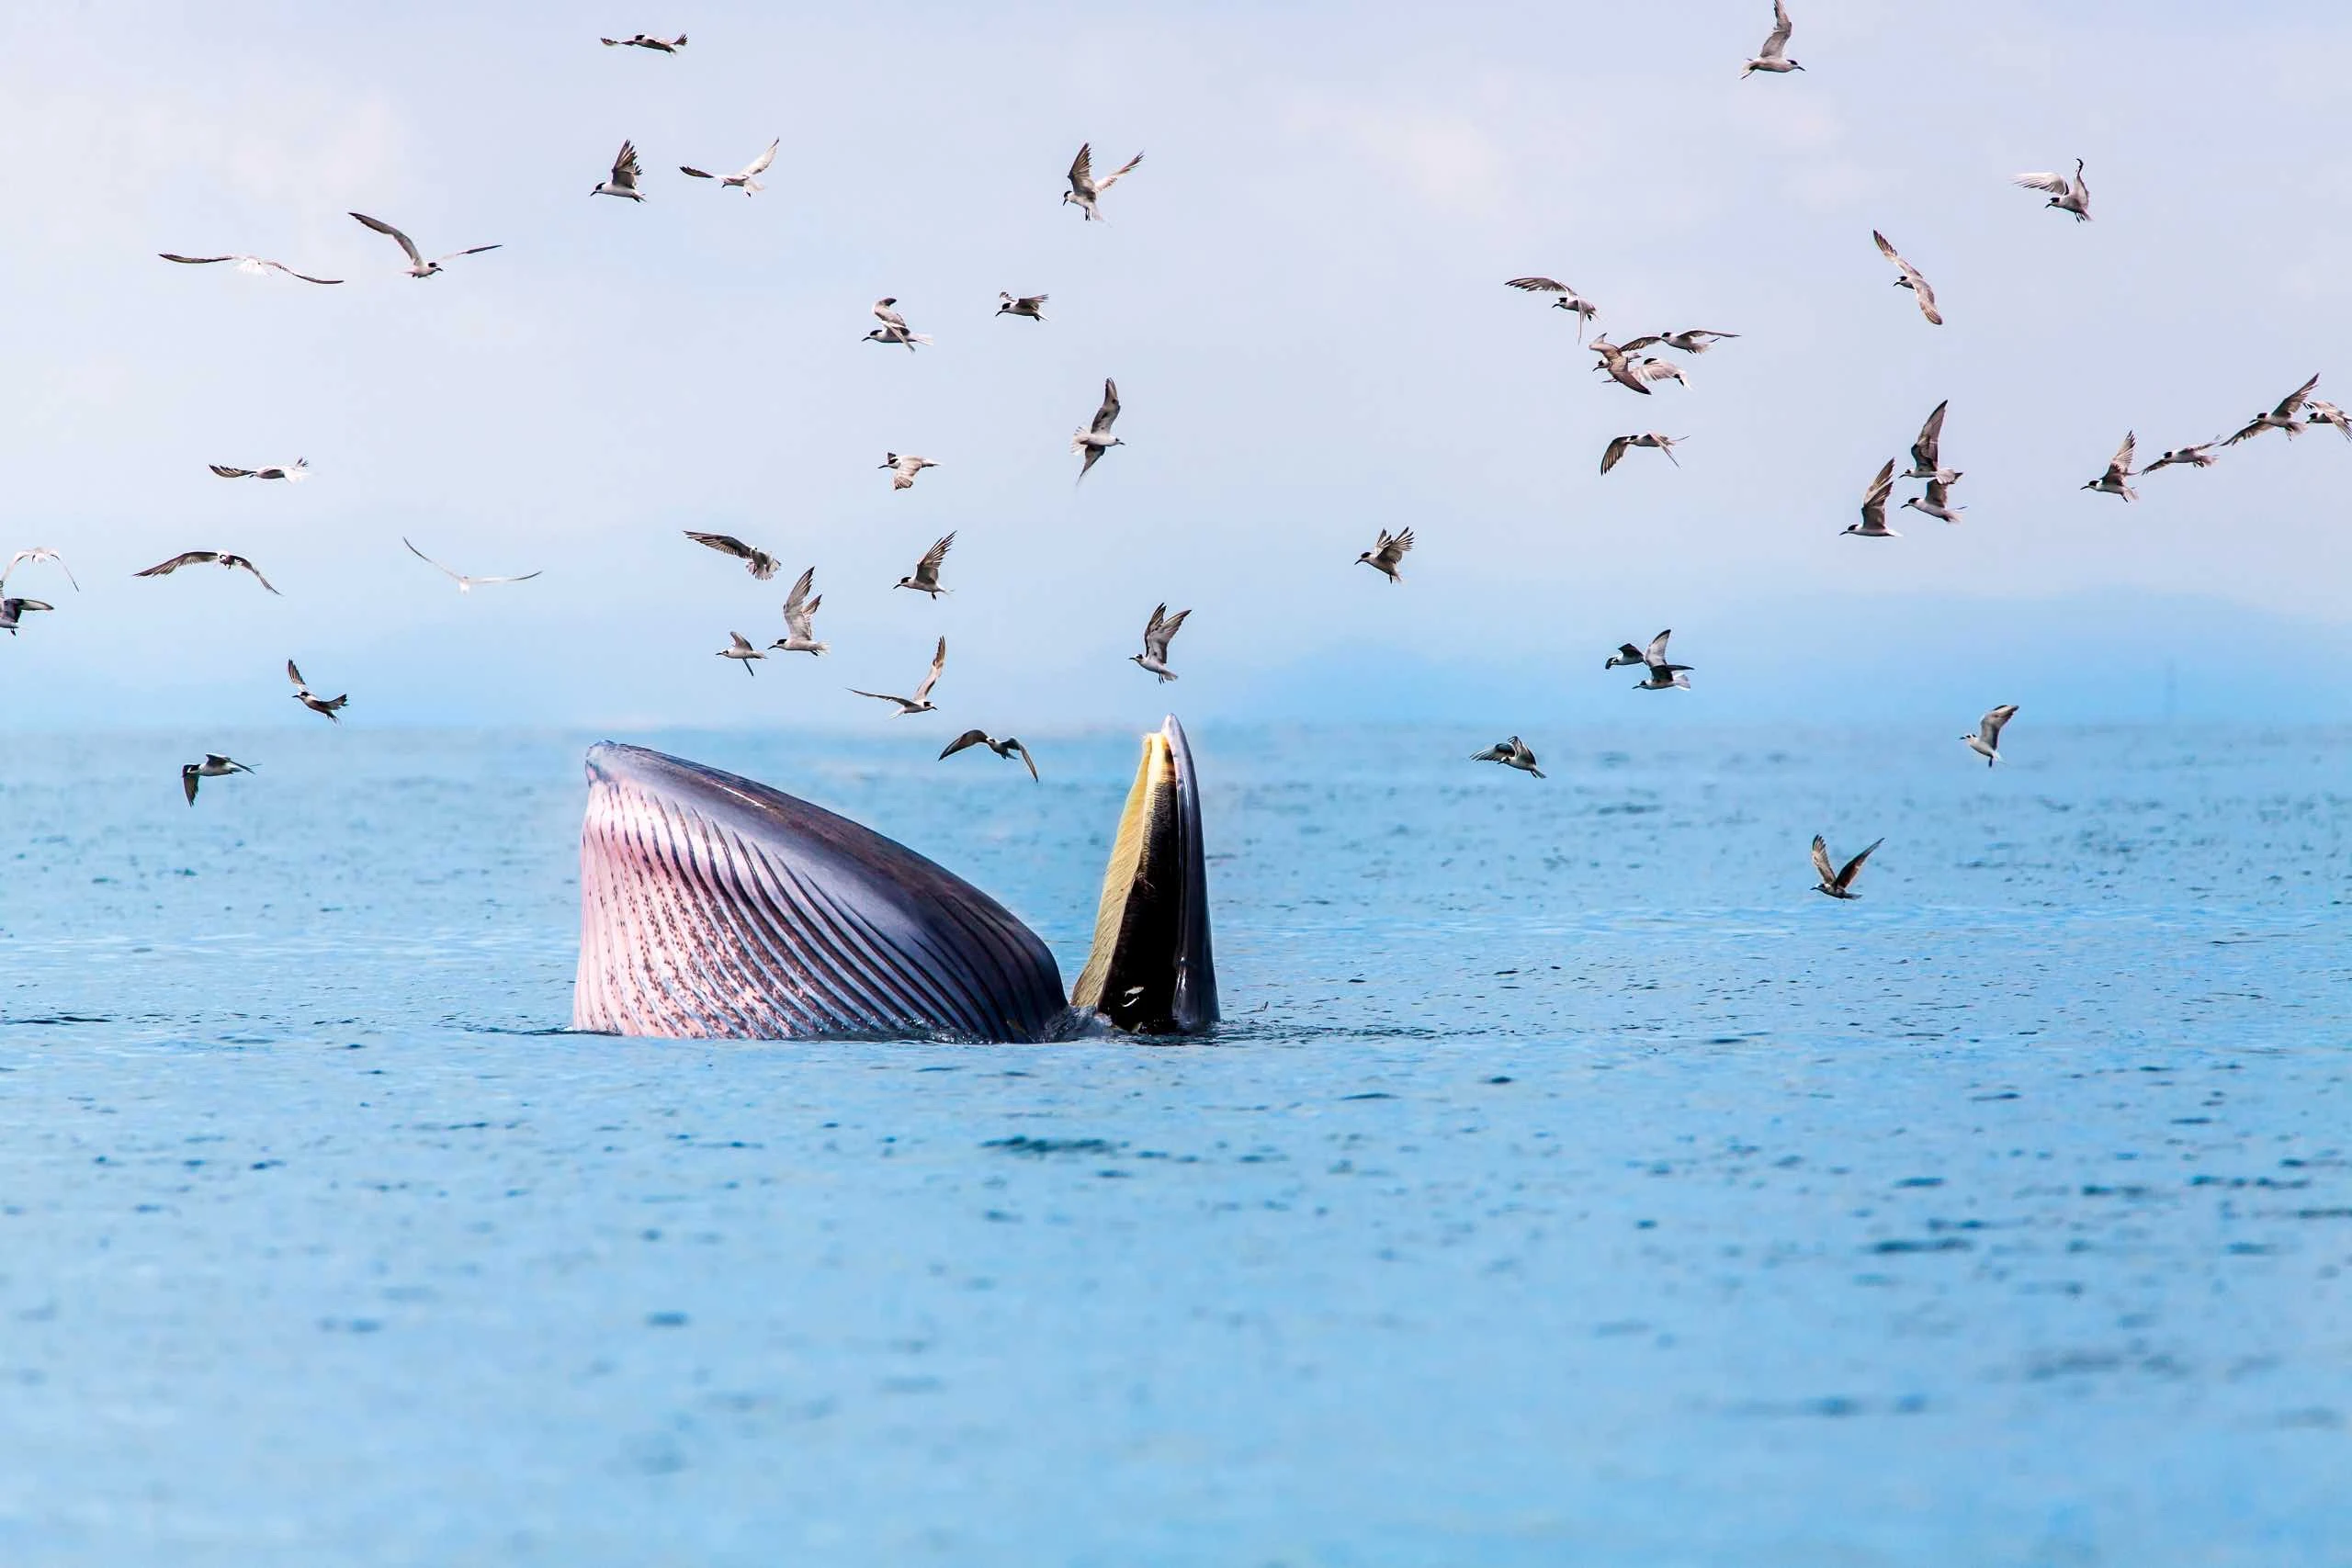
(1629,365)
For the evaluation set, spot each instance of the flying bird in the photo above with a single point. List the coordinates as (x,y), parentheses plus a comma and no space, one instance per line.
(213,766)
(2119,468)
(2281,417)
(312,700)
(746,178)
(1096,438)
(465,585)
(417,266)
(1926,453)
(1911,280)
(2198,457)
(37,554)
(1649,368)
(925,577)
(894,328)
(1511,754)
(257,267)
(1569,300)
(1004,748)
(921,702)
(1157,635)
(739,650)
(1873,523)
(1695,340)
(292,473)
(1382,556)
(1030,305)
(1837,883)
(761,564)
(12,612)
(903,469)
(1618,444)
(2318,412)
(800,619)
(194,557)
(1085,189)
(2066,195)
(643,41)
(1937,503)
(1621,368)
(1773,56)
(622,181)
(1986,741)
(1660,675)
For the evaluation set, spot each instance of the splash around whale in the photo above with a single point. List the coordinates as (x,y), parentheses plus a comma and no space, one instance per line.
(713,906)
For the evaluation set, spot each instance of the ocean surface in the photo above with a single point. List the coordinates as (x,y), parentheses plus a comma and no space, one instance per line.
(1569,1184)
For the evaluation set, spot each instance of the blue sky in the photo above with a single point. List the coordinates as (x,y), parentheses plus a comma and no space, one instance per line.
(1300,294)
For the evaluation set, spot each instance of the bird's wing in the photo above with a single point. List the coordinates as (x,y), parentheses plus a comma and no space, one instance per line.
(724,542)
(430,562)
(1821,860)
(469,251)
(1634,345)
(193,261)
(1107,181)
(2120,465)
(1532,285)
(1925,294)
(2056,185)
(1889,252)
(1846,877)
(1924,450)
(879,696)
(1494,754)
(229,473)
(797,599)
(305,276)
(1109,413)
(929,565)
(1400,544)
(1879,486)
(233,561)
(970,737)
(698,173)
(1081,168)
(2294,400)
(1013,743)
(759,164)
(383,228)
(1656,652)
(296,676)
(735,641)
(938,662)
(625,165)
(1938,493)
(1778,39)
(188,782)
(1161,636)
(1615,450)
(185,557)
(1990,727)
(478,582)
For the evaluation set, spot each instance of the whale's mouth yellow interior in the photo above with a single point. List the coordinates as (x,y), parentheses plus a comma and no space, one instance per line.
(1140,892)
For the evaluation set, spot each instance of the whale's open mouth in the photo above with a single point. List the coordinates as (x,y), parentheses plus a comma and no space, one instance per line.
(713,906)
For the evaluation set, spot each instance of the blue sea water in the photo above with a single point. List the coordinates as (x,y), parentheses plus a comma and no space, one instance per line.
(1568,1185)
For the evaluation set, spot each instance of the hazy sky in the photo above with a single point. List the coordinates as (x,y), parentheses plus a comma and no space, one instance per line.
(1300,294)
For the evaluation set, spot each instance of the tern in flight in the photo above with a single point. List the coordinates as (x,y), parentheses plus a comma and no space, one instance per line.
(903,468)
(1030,305)
(1621,368)
(746,178)
(2281,417)
(1837,883)
(14,610)
(761,564)
(2119,470)
(800,619)
(1382,556)
(739,648)
(1156,635)
(1773,56)
(1004,748)
(1911,280)
(1511,754)
(646,41)
(921,702)
(417,266)
(1937,503)
(1873,523)
(1986,741)
(1569,300)
(37,554)
(1096,438)
(465,585)
(195,558)
(257,267)
(925,577)
(2318,412)
(1926,453)
(1618,446)
(1662,674)
(894,328)
(213,766)
(294,472)
(2067,195)
(2198,457)
(622,181)
(312,700)
(1085,189)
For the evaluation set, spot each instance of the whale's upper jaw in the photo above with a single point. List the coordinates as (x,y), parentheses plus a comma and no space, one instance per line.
(1153,969)
(714,906)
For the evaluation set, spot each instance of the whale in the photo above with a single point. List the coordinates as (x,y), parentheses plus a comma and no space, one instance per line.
(713,906)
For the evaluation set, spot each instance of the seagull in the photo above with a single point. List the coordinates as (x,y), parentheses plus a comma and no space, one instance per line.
(1986,741)
(1837,883)
(1096,438)
(417,266)
(746,178)
(258,266)
(2198,457)
(925,578)
(1937,503)
(905,469)
(1661,674)
(1911,280)
(1617,445)
(312,700)
(894,327)
(1085,189)
(1926,459)
(213,766)
(739,649)
(921,702)
(1382,556)
(2066,195)
(642,41)
(761,564)
(2119,468)
(2318,412)
(1569,300)
(465,585)
(294,472)
(622,181)
(1873,523)
(193,558)
(1030,305)
(1155,639)
(1004,748)
(1621,369)
(1511,754)
(1773,56)
(1695,340)
(13,611)
(37,554)
(2282,417)
(800,619)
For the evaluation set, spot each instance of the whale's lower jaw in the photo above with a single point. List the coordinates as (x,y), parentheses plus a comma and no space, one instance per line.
(712,906)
